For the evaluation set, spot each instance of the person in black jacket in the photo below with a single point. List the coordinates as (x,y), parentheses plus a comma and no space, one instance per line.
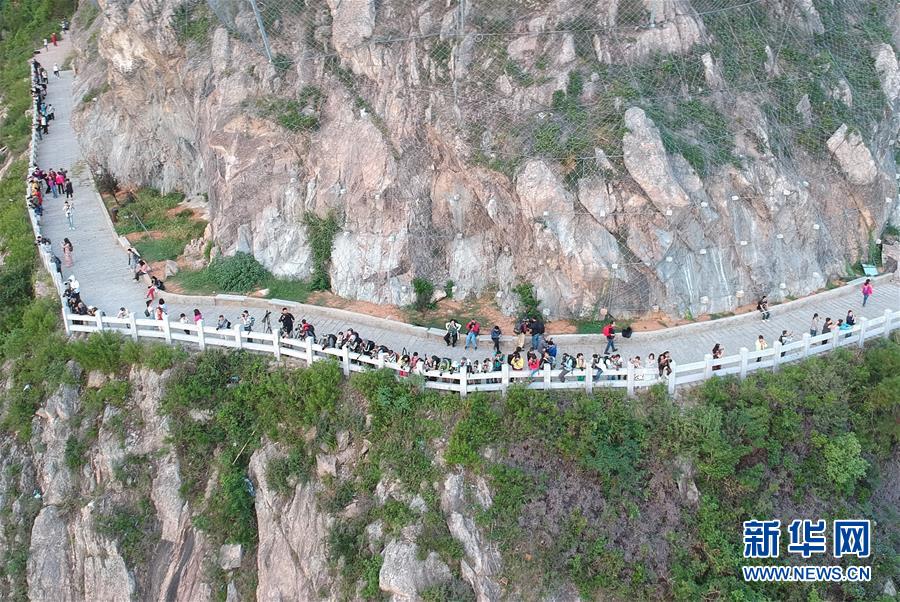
(287,322)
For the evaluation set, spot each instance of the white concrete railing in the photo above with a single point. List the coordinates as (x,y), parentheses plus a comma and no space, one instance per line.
(464,382)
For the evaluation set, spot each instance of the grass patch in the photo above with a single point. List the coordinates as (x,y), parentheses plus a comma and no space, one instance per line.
(240,273)
(148,209)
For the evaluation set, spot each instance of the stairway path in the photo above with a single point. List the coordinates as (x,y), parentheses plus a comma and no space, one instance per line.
(106,282)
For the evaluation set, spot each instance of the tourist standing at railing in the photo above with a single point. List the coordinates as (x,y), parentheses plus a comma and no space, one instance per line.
(867,291)
(287,322)
(664,362)
(67,250)
(717,352)
(197,316)
(761,345)
(183,320)
(814,325)
(133,258)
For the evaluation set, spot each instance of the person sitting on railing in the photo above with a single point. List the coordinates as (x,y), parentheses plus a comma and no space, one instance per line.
(552,350)
(597,367)
(307,330)
(517,362)
(122,313)
(157,283)
(638,367)
(567,364)
(222,323)
(547,360)
(486,366)
(445,365)
(330,341)
(142,270)
(763,308)
(81,309)
(368,347)
(420,367)
(761,345)
(844,327)
(850,320)
(404,365)
(534,363)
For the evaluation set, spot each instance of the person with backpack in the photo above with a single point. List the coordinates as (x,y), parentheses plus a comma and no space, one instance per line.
(452,334)
(496,333)
(568,365)
(609,331)
(222,323)
(472,330)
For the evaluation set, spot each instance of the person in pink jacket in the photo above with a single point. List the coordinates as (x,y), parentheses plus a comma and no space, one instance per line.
(867,290)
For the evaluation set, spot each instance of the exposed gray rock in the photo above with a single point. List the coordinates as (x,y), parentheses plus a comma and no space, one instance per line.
(888,72)
(684,478)
(230,556)
(291,555)
(49,571)
(853,156)
(403,575)
(890,590)
(648,164)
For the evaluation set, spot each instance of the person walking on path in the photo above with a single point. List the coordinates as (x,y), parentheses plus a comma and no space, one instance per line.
(609,331)
(70,217)
(814,325)
(452,334)
(53,38)
(496,333)
(67,249)
(45,128)
(56,70)
(60,182)
(472,330)
(70,192)
(867,290)
(761,345)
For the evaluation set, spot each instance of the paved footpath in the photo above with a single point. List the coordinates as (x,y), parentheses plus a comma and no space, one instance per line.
(106,282)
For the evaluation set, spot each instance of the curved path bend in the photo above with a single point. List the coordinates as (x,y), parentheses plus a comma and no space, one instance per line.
(106,281)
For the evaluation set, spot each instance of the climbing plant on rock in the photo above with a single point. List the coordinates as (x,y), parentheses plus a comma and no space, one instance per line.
(320,232)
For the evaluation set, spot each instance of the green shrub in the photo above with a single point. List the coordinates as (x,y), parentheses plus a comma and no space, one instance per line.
(282,63)
(191,22)
(281,472)
(448,288)
(528,300)
(134,529)
(161,357)
(843,462)
(424,291)
(320,233)
(239,273)
(101,351)
(478,427)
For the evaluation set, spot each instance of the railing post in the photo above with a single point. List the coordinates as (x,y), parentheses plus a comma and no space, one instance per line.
(167,330)
(132,324)
(547,377)
(863,327)
(238,341)
(744,360)
(463,380)
(309,352)
(345,359)
(887,323)
(589,379)
(380,360)
(276,344)
(201,335)
(806,338)
(629,372)
(834,338)
(65,315)
(504,377)
(776,358)
(708,367)
(672,378)
(99,322)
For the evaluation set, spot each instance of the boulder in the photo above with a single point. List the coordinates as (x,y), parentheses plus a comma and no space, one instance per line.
(230,556)
(404,575)
(853,156)
(647,162)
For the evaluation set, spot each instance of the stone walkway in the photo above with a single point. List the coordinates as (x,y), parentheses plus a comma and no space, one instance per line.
(106,282)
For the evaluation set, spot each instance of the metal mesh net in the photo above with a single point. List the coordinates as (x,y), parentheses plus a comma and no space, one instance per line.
(492,69)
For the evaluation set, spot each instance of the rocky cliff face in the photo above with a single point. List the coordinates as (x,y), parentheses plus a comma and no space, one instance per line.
(614,154)
(94,510)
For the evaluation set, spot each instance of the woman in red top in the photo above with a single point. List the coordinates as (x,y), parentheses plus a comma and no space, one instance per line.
(867,291)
